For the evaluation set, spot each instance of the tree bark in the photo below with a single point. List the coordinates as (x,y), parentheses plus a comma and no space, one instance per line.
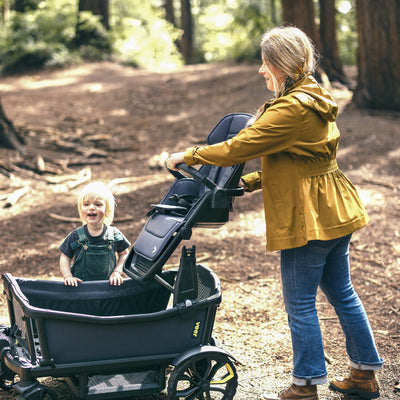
(9,137)
(169,11)
(300,13)
(330,62)
(97,7)
(378,84)
(187,27)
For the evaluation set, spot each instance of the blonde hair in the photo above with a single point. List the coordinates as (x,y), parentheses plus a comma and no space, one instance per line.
(290,50)
(98,191)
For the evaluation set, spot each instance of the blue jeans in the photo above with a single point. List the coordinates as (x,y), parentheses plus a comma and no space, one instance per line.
(324,264)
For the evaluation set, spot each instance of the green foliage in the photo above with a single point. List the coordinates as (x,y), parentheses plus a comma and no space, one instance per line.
(91,37)
(142,37)
(231,30)
(347,31)
(53,34)
(38,38)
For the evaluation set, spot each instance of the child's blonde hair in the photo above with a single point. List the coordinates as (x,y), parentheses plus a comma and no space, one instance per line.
(290,50)
(94,191)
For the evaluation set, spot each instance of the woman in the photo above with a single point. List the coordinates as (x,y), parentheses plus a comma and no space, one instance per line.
(311,210)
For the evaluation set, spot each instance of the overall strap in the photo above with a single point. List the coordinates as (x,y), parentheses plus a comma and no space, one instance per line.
(110,236)
(83,240)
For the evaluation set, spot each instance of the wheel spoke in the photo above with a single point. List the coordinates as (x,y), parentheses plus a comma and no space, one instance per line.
(201,368)
(218,389)
(189,393)
(186,386)
(205,376)
(230,374)
(211,374)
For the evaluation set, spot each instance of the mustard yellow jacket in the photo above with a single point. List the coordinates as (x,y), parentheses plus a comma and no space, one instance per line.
(306,196)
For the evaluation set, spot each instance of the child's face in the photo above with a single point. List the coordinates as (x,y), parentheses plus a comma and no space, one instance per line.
(93,211)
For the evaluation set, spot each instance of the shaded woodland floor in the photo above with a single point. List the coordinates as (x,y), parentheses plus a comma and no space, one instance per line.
(107,122)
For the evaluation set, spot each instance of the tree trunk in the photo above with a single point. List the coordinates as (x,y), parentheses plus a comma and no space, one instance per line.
(187,27)
(5,9)
(9,137)
(274,16)
(97,7)
(378,84)
(330,62)
(300,13)
(169,11)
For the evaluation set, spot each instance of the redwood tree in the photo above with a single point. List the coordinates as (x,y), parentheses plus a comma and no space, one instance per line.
(97,7)
(169,11)
(187,28)
(300,13)
(378,84)
(331,62)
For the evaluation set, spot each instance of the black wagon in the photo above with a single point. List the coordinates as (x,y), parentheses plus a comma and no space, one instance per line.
(152,333)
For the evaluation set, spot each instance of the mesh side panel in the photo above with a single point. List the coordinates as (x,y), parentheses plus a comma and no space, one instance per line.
(114,381)
(204,289)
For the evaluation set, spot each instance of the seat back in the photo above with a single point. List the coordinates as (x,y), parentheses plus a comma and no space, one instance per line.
(187,204)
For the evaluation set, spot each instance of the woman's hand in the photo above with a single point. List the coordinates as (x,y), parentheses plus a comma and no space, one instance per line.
(243,184)
(174,159)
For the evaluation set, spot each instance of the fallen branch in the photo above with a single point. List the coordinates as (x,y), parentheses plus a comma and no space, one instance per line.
(82,176)
(379,183)
(13,198)
(83,161)
(12,168)
(64,219)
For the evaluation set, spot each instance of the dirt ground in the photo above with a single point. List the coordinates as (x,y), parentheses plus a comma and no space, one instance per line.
(107,122)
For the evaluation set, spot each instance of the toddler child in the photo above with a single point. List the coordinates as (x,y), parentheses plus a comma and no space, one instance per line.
(96,250)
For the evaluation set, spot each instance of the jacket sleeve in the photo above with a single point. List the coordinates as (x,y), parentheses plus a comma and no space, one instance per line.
(252,181)
(275,131)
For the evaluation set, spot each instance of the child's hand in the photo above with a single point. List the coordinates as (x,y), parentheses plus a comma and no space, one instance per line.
(71,281)
(116,279)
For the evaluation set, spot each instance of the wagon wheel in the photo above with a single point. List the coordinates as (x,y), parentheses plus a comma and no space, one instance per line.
(39,392)
(46,393)
(7,377)
(7,380)
(205,376)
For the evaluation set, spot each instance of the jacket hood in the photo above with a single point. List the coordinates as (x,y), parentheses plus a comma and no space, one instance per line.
(313,96)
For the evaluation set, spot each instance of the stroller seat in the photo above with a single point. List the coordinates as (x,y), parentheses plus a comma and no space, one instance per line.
(197,198)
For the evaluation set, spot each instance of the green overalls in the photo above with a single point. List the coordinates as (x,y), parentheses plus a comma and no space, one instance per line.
(94,262)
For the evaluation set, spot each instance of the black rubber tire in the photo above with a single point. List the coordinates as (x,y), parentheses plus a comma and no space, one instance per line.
(7,380)
(7,377)
(206,376)
(39,392)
